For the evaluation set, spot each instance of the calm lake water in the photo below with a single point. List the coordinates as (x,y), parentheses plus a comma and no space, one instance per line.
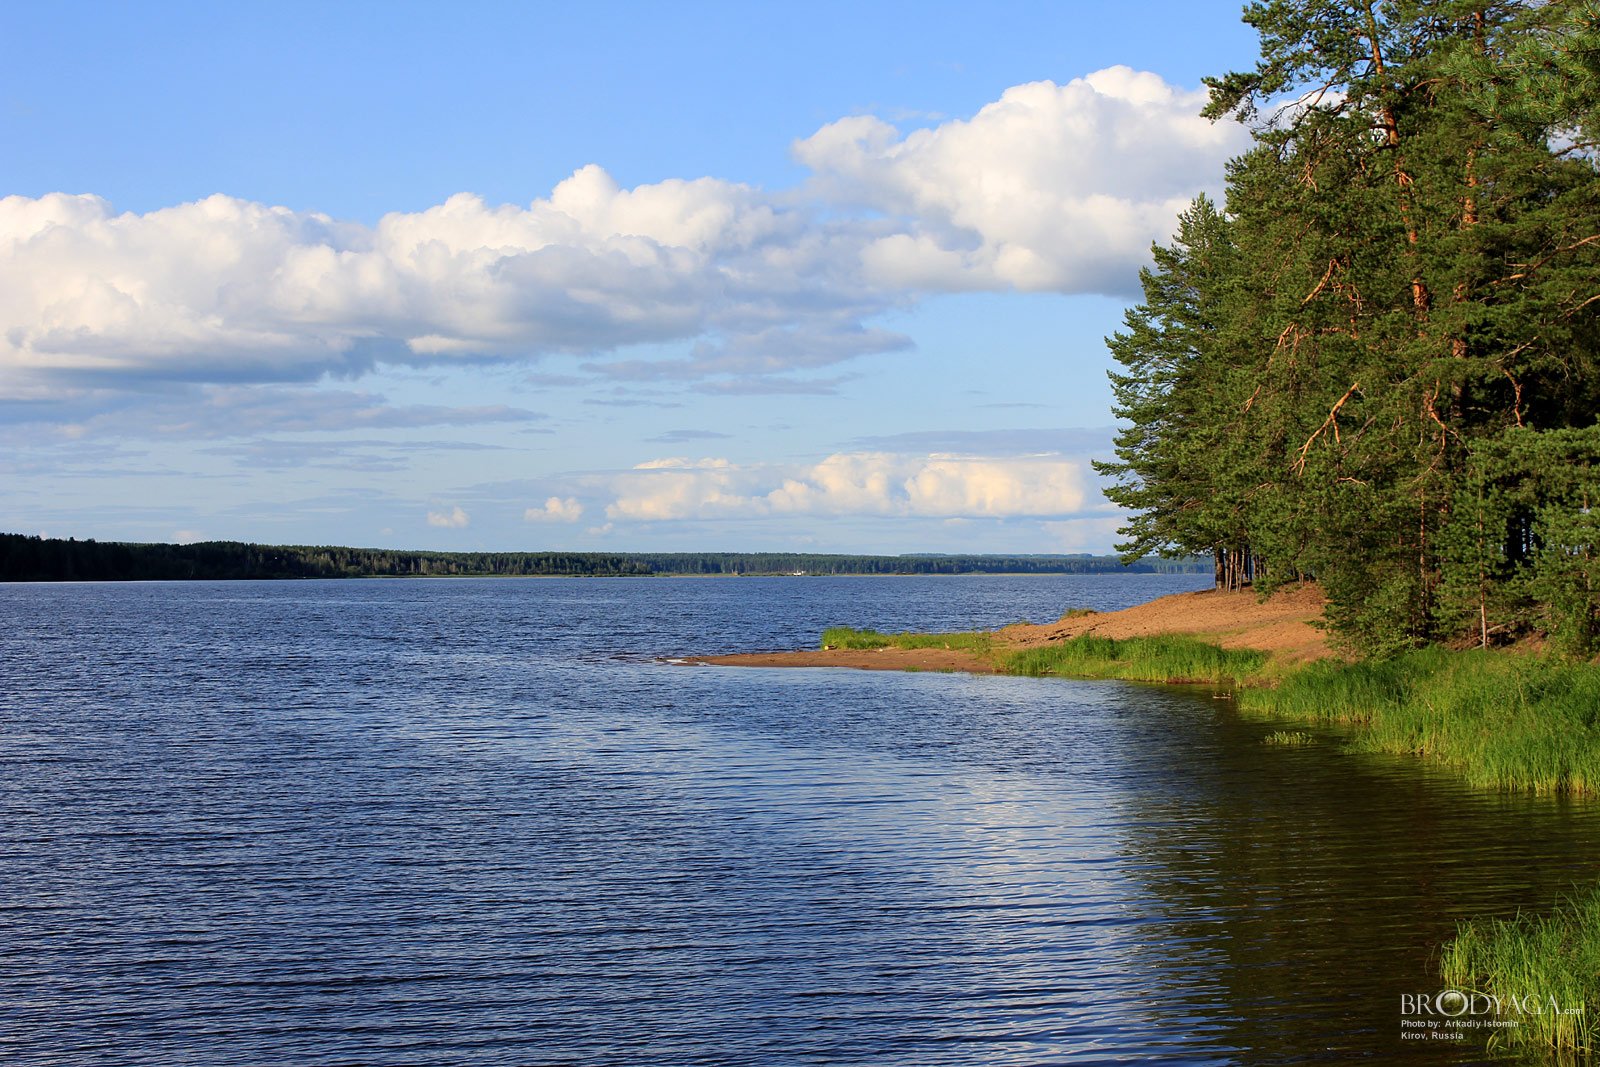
(462,821)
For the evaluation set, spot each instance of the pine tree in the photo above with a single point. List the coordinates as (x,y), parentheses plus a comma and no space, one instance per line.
(1396,215)
(1405,284)
(1173,395)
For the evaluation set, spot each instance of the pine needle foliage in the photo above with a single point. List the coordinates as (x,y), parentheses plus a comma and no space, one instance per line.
(1359,367)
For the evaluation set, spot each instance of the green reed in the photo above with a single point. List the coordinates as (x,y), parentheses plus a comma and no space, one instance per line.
(1539,968)
(1503,721)
(1145,659)
(1289,738)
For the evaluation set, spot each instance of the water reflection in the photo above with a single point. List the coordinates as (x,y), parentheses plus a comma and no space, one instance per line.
(411,822)
(1321,883)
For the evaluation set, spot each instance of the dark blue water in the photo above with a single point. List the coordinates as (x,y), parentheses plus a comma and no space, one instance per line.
(419,822)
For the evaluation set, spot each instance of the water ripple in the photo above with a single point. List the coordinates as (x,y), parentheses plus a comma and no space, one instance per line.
(437,822)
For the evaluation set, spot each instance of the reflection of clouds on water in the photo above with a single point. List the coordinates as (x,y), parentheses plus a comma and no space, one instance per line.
(485,811)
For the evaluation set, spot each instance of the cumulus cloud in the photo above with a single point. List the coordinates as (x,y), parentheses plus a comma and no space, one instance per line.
(1051,187)
(225,290)
(454,519)
(862,483)
(556,509)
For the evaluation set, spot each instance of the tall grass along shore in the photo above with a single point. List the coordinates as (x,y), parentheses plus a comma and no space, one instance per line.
(1502,720)
(847,637)
(1541,973)
(1140,659)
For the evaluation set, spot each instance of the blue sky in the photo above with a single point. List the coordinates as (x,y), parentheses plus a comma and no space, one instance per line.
(719,276)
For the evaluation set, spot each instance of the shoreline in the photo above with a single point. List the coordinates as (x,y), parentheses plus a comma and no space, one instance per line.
(1504,721)
(954,660)
(1282,627)
(1510,719)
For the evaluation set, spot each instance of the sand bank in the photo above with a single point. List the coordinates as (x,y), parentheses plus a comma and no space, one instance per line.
(1282,625)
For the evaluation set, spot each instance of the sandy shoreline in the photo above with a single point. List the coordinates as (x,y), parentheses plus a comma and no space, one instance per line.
(1282,625)
(875,659)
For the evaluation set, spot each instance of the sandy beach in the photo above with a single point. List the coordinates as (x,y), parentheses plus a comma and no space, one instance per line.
(1283,625)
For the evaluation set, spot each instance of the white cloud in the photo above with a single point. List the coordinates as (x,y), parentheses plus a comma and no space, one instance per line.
(1049,188)
(863,483)
(454,519)
(556,509)
(683,463)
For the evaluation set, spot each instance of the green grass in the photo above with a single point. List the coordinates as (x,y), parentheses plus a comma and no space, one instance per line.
(1503,721)
(1507,722)
(1552,958)
(1289,738)
(847,637)
(1143,659)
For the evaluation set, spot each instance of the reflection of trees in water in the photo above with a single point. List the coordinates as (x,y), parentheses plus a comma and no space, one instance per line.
(1305,889)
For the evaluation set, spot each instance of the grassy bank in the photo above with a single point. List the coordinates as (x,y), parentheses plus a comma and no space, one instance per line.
(1140,659)
(1503,721)
(846,637)
(1538,969)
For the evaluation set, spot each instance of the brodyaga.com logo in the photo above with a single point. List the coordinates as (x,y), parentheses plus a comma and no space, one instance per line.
(1452,1014)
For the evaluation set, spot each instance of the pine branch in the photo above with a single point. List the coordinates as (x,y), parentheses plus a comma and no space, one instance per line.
(1332,419)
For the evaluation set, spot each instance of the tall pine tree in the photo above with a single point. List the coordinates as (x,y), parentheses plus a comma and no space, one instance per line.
(1412,269)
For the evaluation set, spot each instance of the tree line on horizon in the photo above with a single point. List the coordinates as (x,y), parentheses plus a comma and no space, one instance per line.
(26,558)
(1375,363)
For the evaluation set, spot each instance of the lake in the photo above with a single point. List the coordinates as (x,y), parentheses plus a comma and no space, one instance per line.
(486,821)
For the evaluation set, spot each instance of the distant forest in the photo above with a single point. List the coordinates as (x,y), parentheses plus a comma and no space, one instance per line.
(37,559)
